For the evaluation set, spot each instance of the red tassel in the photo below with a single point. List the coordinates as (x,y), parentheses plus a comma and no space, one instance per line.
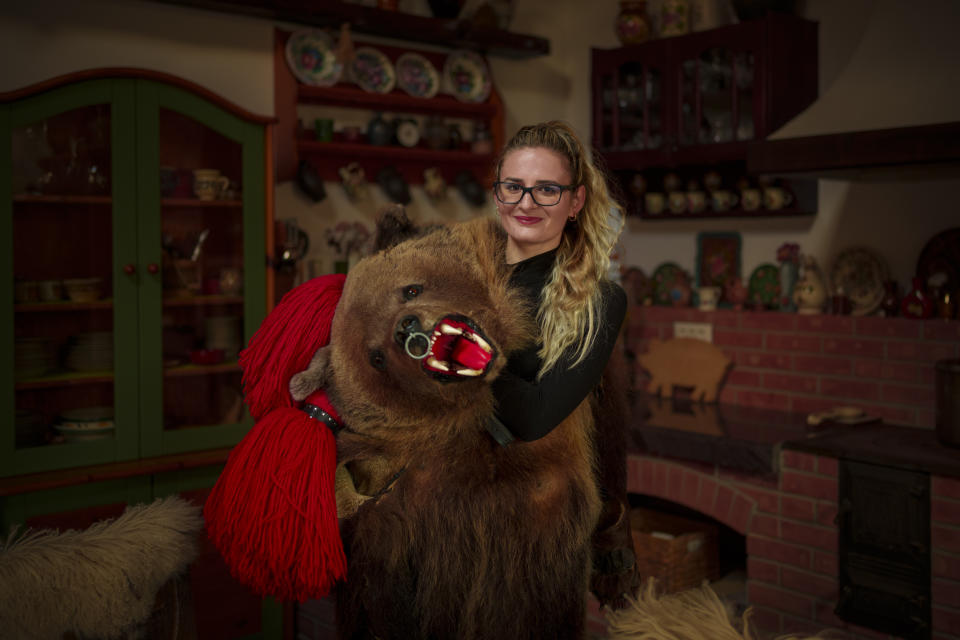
(286,341)
(272,513)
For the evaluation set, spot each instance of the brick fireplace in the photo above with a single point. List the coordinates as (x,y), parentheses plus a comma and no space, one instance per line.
(791,538)
(786,513)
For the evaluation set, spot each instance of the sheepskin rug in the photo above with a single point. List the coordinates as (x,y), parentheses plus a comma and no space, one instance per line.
(100,582)
(694,614)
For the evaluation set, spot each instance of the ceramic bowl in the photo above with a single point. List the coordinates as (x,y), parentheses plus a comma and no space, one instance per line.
(83,289)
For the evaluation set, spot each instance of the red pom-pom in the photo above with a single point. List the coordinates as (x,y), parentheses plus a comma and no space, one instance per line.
(286,341)
(272,513)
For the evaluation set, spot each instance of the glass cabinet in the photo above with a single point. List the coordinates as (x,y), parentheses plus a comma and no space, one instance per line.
(133,215)
(692,105)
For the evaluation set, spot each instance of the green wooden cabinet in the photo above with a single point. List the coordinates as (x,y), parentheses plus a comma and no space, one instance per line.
(132,269)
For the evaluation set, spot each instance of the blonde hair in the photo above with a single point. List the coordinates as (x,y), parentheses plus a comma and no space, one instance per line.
(572,297)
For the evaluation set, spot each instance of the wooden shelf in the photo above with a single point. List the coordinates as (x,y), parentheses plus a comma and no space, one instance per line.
(396,154)
(63,306)
(455,34)
(395,101)
(65,379)
(28,198)
(73,378)
(791,212)
(199,301)
(186,370)
(196,202)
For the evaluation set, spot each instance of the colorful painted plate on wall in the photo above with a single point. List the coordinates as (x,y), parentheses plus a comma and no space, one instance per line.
(860,272)
(372,70)
(311,58)
(671,285)
(417,76)
(466,76)
(764,285)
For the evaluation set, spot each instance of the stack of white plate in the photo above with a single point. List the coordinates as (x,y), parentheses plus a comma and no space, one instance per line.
(88,423)
(32,357)
(91,352)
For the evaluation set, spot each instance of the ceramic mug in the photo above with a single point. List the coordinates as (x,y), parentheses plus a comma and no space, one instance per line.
(776,198)
(677,201)
(708,296)
(751,199)
(696,201)
(50,290)
(655,202)
(723,200)
(208,184)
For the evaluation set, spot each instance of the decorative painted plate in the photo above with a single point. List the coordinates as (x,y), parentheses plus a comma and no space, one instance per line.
(764,285)
(860,272)
(372,70)
(311,58)
(466,76)
(417,76)
(939,261)
(671,285)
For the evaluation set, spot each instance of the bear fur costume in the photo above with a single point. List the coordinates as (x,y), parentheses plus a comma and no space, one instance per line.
(455,536)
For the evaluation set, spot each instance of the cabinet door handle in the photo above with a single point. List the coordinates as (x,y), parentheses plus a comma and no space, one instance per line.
(153,268)
(129,269)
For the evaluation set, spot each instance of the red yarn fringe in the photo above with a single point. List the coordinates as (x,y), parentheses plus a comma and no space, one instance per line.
(286,341)
(272,513)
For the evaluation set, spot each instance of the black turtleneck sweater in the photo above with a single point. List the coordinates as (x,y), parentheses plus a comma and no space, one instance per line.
(530,409)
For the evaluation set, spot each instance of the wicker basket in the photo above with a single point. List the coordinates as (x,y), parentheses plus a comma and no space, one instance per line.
(679,552)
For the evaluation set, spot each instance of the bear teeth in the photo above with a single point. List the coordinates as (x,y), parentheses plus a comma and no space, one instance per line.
(468,372)
(450,331)
(481,343)
(436,364)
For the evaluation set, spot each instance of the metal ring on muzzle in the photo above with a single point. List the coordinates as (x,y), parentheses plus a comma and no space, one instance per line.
(426,345)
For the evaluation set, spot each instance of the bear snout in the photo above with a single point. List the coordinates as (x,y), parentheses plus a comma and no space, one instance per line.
(407,326)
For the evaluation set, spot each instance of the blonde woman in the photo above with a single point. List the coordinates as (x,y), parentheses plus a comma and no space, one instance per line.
(555,208)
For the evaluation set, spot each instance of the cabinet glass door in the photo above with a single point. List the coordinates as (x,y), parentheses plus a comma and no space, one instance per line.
(632,108)
(716,97)
(203,226)
(68,310)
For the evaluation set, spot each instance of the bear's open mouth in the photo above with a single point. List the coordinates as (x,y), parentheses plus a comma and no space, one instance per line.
(458,350)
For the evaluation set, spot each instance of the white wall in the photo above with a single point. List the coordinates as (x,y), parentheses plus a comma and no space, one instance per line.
(230,55)
(233,57)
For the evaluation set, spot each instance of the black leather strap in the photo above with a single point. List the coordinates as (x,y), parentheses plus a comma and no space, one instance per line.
(317,413)
(499,431)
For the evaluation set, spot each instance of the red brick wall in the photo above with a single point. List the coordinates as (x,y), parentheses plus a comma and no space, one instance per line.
(812,363)
(792,539)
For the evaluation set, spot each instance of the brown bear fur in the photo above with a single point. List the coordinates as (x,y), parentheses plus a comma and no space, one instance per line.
(464,538)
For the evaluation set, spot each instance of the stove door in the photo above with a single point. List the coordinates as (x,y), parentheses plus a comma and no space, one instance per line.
(884,544)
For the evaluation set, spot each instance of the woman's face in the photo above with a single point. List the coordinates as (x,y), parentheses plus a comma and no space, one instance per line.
(531,228)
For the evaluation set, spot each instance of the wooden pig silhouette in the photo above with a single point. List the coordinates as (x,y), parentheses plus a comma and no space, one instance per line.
(685,362)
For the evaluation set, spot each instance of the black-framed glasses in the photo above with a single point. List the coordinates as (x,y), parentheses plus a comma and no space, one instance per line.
(545,195)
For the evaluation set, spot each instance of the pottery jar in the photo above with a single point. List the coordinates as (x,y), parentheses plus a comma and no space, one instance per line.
(379,131)
(632,24)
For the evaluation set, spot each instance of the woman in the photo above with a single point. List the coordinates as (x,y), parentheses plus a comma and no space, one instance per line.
(558,215)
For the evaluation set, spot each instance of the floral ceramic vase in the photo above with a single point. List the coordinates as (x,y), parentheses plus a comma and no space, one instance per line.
(789,270)
(810,293)
(675,20)
(633,24)
(918,303)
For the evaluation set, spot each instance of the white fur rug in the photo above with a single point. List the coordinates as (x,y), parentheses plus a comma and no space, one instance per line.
(695,614)
(100,582)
